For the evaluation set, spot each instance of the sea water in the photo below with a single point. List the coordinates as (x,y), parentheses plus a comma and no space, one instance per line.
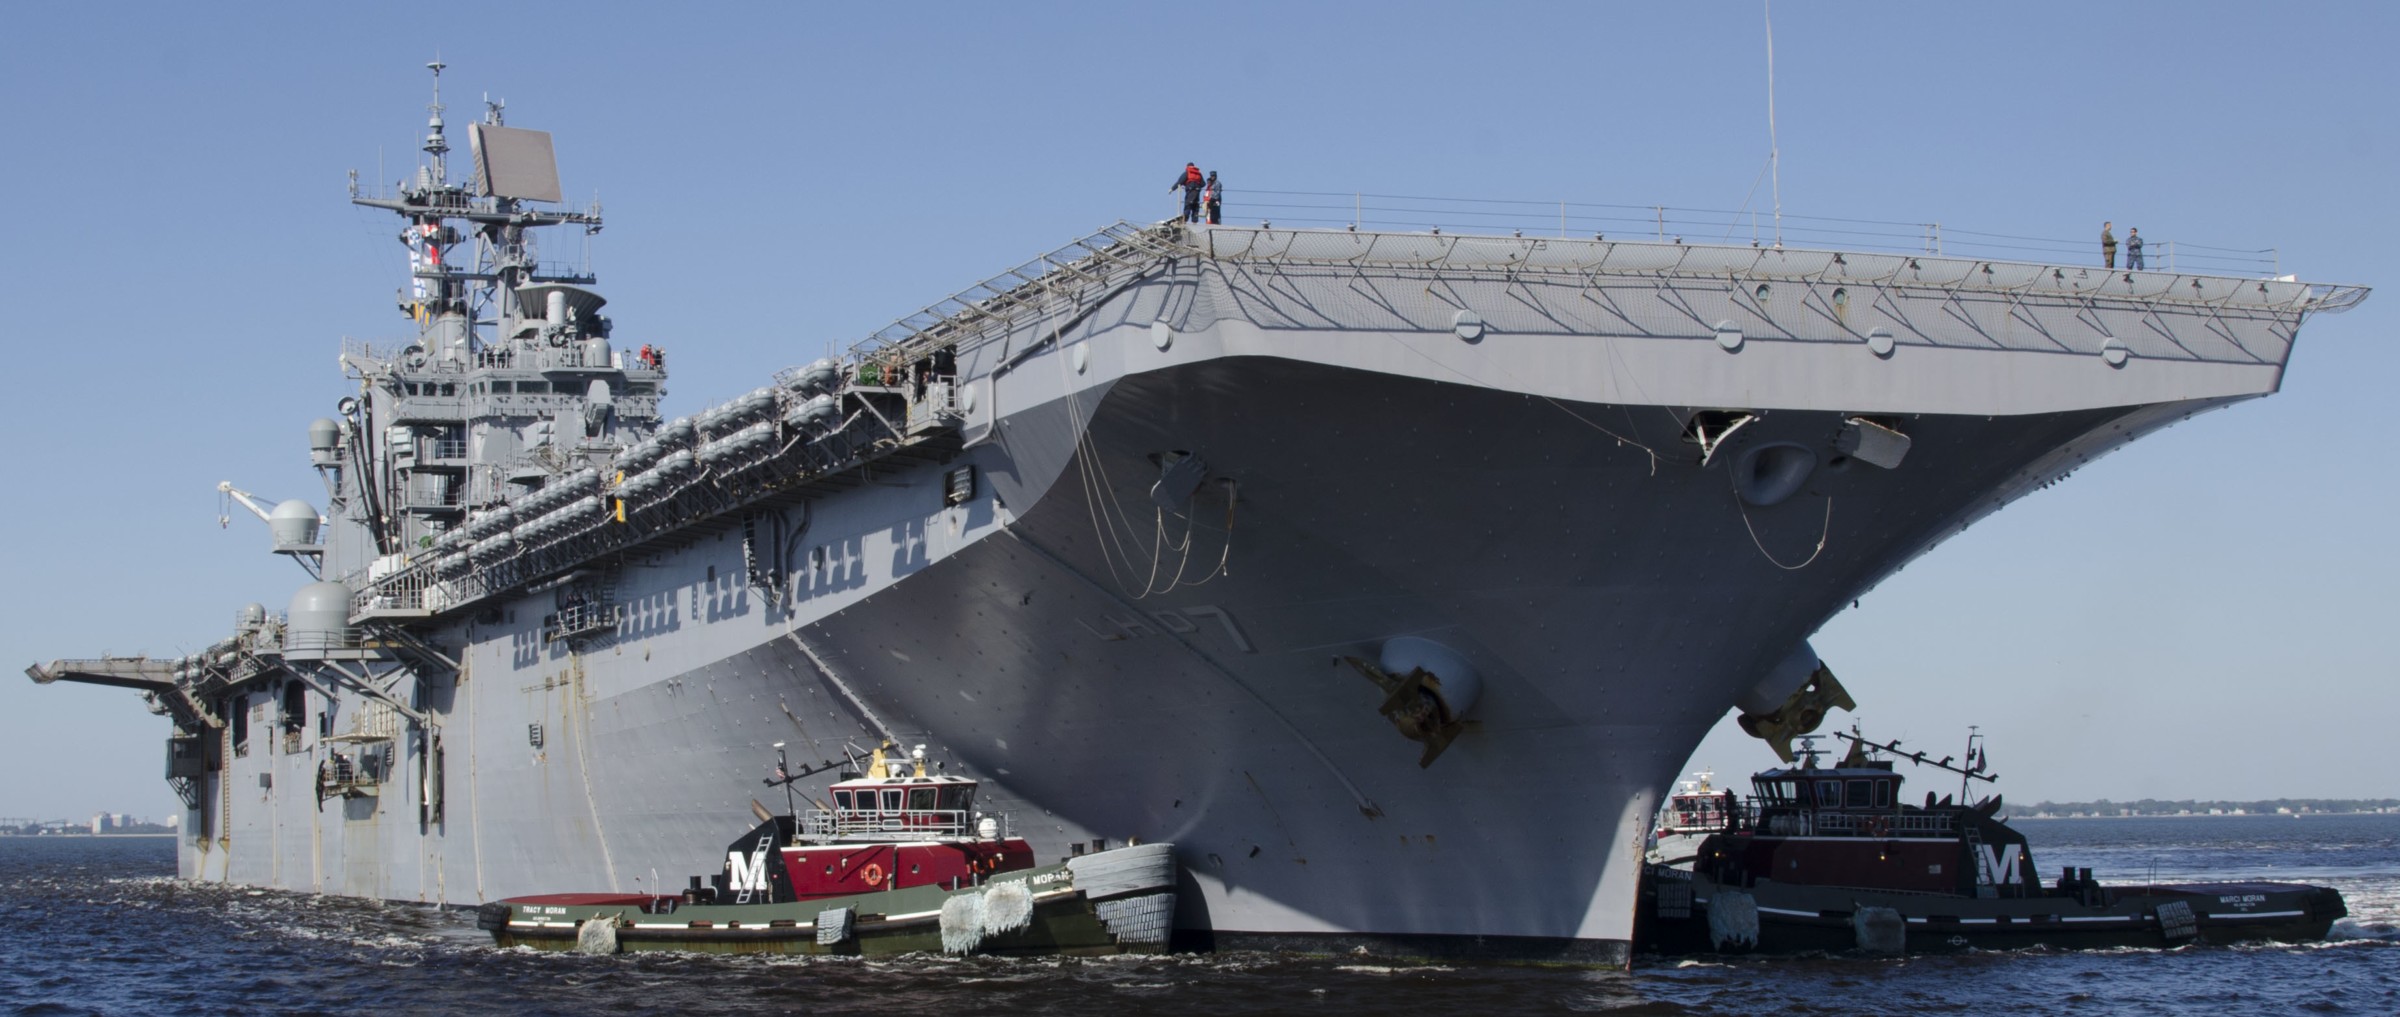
(99,926)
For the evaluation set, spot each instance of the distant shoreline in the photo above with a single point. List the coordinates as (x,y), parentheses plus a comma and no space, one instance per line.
(84,836)
(2200,815)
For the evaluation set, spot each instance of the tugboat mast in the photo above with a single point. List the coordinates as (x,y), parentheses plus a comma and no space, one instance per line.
(1972,765)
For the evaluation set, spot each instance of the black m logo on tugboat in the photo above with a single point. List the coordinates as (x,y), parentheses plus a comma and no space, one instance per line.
(754,872)
(748,875)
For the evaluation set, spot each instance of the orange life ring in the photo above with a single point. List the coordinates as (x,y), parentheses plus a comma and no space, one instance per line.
(873,874)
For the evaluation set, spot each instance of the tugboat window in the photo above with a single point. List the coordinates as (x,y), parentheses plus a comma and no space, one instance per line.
(1883,794)
(1857,795)
(891,800)
(1829,793)
(841,800)
(921,799)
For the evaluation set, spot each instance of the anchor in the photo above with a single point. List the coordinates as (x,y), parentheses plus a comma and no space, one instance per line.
(1416,706)
(1800,713)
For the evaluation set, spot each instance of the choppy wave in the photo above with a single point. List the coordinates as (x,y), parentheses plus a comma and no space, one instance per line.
(99,929)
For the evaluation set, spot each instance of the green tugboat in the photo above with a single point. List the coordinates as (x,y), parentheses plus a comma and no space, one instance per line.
(899,862)
(1830,859)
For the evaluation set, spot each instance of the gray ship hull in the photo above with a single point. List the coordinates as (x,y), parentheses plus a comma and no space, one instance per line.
(1390,577)
(1613,612)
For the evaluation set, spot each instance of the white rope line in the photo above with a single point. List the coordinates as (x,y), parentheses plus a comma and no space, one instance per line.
(1092,477)
(1112,527)
(1822,535)
(1103,535)
(1110,524)
(1226,555)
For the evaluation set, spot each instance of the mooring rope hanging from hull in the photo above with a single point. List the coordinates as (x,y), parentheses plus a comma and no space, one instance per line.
(1823,536)
(1099,500)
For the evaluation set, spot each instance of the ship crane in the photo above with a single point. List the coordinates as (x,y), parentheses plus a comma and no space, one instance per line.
(292,524)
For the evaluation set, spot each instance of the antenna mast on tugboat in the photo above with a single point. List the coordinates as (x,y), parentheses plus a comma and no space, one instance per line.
(1970,766)
(783,769)
(1972,769)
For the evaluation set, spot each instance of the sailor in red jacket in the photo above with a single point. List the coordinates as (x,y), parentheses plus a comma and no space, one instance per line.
(1191,181)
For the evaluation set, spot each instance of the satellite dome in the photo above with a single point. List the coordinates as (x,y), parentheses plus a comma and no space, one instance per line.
(320,617)
(293,524)
(324,440)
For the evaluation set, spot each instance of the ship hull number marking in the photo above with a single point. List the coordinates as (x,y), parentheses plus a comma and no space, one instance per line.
(1190,620)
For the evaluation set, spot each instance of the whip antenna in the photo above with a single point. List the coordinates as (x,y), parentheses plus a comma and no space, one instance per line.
(1774,153)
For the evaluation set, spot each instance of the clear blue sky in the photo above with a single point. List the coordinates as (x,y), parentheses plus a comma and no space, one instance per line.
(2204,614)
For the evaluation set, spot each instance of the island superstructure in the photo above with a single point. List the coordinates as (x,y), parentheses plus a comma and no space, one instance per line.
(1390,576)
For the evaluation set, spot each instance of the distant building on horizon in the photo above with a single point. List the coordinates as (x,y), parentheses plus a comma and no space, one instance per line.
(120,822)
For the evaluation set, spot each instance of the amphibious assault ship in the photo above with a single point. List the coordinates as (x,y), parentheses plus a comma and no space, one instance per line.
(1307,539)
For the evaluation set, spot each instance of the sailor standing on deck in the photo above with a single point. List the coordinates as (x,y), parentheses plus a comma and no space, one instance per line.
(1191,181)
(2108,246)
(2133,248)
(1214,197)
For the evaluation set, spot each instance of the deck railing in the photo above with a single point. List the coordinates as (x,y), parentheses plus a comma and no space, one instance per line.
(825,824)
(1666,223)
(1885,823)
